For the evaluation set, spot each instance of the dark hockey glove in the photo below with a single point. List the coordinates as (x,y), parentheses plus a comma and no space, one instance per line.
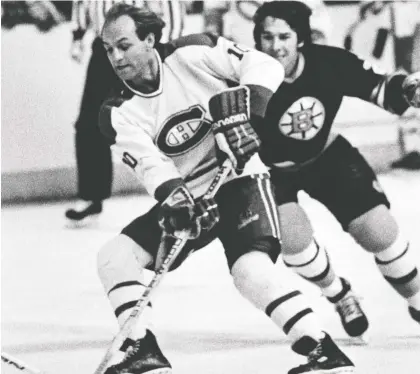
(177,212)
(180,212)
(206,213)
(411,89)
(235,137)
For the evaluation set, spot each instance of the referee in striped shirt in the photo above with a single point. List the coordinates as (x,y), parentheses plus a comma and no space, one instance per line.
(93,155)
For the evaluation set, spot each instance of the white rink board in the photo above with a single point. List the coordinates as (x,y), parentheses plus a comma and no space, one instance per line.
(56,318)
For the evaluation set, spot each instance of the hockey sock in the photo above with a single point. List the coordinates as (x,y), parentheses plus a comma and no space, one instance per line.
(314,265)
(397,265)
(256,277)
(292,313)
(123,297)
(414,301)
(124,283)
(333,289)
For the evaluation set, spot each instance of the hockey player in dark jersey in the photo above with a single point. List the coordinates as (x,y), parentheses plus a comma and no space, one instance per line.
(160,125)
(304,154)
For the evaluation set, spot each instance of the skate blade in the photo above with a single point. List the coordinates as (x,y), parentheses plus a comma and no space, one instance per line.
(360,340)
(158,371)
(89,221)
(343,370)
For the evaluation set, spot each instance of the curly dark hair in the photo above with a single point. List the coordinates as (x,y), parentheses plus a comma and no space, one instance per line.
(295,13)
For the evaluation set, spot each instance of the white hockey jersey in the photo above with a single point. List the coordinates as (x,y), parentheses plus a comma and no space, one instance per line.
(167,134)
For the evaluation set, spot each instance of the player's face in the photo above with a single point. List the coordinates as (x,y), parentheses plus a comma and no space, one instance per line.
(280,41)
(129,56)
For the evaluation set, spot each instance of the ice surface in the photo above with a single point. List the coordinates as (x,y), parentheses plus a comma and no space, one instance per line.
(56,318)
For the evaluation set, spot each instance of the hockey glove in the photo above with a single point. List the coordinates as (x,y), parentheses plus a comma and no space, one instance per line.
(235,137)
(180,212)
(411,89)
(206,213)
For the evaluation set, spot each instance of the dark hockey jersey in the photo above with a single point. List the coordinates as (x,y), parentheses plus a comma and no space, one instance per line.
(300,114)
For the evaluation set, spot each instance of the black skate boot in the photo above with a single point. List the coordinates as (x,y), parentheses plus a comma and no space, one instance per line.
(324,357)
(353,319)
(143,357)
(414,313)
(83,212)
(410,161)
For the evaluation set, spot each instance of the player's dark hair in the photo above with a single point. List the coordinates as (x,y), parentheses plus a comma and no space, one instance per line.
(145,20)
(295,13)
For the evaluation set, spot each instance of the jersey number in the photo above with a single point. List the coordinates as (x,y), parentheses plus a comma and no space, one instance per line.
(129,160)
(237,51)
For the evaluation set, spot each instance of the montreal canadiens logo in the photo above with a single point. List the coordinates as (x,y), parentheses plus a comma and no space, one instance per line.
(183,131)
(304,119)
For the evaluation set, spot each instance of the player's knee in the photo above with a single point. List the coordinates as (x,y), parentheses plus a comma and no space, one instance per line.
(252,273)
(375,230)
(266,248)
(295,228)
(116,257)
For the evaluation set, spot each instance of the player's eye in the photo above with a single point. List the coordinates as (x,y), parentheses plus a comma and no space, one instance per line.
(267,37)
(124,47)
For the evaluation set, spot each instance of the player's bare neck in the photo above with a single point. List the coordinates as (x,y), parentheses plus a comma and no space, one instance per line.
(296,70)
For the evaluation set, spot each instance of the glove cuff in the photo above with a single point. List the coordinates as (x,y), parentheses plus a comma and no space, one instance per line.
(166,188)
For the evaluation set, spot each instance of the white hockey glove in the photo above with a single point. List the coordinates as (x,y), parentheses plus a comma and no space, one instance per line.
(179,211)
(235,137)
(411,89)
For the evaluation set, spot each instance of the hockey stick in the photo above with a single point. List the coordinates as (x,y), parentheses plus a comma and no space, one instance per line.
(182,239)
(19,365)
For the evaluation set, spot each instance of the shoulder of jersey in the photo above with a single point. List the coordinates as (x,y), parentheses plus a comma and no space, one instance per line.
(327,55)
(203,39)
(326,50)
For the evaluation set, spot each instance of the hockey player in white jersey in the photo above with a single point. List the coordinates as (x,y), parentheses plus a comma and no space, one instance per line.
(183,107)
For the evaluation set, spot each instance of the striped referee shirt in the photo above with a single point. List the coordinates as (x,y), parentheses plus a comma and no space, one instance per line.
(90,15)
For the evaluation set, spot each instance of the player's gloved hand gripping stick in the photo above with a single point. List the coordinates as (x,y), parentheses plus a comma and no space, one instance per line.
(182,238)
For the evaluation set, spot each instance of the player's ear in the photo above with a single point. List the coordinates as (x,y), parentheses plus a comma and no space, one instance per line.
(150,40)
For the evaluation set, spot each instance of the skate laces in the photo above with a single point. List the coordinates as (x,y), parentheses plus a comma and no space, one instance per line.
(317,354)
(131,352)
(349,307)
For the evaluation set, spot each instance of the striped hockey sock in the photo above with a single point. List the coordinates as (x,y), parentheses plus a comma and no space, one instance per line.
(292,313)
(313,264)
(123,297)
(397,265)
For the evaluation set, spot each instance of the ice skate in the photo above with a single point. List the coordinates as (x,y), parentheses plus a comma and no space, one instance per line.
(410,161)
(353,319)
(414,313)
(324,357)
(83,213)
(143,357)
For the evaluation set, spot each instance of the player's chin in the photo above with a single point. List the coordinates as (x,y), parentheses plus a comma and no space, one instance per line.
(124,73)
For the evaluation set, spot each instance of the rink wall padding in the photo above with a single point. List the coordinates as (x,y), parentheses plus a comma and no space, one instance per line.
(57,184)
(60,184)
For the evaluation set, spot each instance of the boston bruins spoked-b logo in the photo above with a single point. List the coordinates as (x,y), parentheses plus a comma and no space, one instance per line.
(183,131)
(303,119)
